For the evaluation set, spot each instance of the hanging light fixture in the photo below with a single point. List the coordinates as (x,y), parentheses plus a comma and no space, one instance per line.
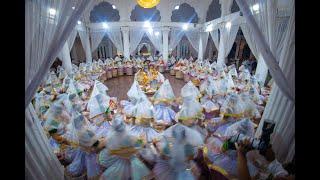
(148,3)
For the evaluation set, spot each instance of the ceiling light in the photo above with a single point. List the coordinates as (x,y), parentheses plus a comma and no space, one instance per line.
(73,7)
(114,7)
(209,28)
(228,25)
(185,27)
(176,7)
(105,25)
(52,11)
(147,24)
(150,30)
(79,22)
(255,7)
(157,33)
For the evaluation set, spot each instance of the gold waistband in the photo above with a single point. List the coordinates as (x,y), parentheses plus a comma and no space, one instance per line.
(143,121)
(197,116)
(163,100)
(124,152)
(233,115)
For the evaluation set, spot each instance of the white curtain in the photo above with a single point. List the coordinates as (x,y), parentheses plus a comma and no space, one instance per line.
(64,55)
(215,37)
(115,36)
(193,37)
(84,38)
(136,36)
(262,67)
(175,37)
(45,35)
(96,38)
(272,27)
(40,161)
(227,38)
(247,33)
(156,39)
(280,108)
(203,44)
(72,38)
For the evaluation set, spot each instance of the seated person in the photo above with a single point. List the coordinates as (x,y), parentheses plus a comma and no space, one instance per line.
(119,159)
(144,117)
(133,94)
(177,149)
(163,98)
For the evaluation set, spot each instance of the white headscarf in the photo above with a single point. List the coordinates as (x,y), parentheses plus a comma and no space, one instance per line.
(190,90)
(165,92)
(99,88)
(98,104)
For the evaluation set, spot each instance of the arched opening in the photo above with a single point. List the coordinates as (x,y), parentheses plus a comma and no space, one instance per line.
(103,12)
(143,14)
(185,13)
(214,10)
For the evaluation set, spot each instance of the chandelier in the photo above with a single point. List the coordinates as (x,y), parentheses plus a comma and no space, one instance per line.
(148,3)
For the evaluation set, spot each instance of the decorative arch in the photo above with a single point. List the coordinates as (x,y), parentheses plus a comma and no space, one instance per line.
(142,14)
(103,12)
(234,7)
(185,13)
(214,10)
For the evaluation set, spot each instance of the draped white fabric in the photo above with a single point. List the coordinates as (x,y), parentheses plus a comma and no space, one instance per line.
(175,37)
(203,44)
(247,33)
(115,36)
(280,108)
(215,37)
(273,28)
(193,37)
(268,55)
(72,38)
(84,38)
(156,39)
(45,35)
(262,67)
(96,38)
(136,36)
(227,38)
(64,55)
(40,161)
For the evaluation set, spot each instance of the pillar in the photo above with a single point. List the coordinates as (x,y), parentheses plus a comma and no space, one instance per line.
(225,10)
(126,43)
(221,51)
(66,59)
(88,47)
(165,41)
(200,50)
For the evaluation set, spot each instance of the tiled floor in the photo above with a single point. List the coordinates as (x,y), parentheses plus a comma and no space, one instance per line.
(119,86)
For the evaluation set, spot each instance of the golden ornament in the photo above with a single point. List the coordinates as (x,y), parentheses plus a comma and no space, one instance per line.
(148,3)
